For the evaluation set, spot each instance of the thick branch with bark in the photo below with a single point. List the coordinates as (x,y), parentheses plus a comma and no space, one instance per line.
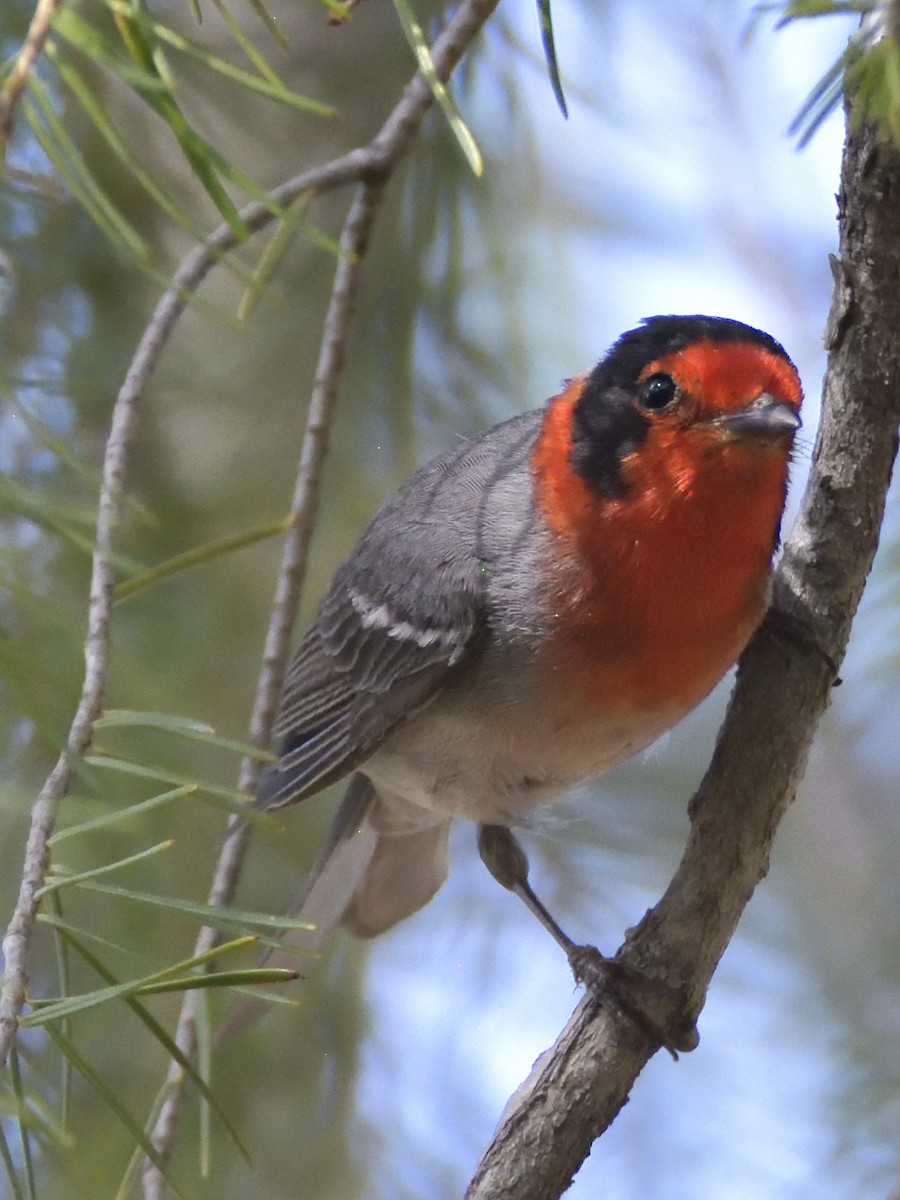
(576,1089)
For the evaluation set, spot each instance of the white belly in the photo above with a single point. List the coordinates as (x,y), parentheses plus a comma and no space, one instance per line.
(493,766)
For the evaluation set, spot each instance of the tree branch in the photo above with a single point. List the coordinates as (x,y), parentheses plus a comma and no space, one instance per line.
(354,242)
(25,63)
(576,1089)
(96,655)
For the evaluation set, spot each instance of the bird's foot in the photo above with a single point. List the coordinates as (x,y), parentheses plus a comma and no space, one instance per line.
(633,991)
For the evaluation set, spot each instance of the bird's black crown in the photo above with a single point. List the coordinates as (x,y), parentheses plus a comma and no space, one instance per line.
(657,337)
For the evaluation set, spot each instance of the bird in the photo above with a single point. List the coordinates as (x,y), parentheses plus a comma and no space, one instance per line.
(532,607)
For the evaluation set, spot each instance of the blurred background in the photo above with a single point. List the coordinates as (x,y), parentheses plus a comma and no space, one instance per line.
(673,187)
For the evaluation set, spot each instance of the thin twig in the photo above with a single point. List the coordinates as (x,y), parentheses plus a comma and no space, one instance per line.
(25,63)
(354,241)
(304,506)
(378,158)
(96,655)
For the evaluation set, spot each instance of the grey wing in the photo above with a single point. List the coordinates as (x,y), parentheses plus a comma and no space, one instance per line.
(360,670)
(402,614)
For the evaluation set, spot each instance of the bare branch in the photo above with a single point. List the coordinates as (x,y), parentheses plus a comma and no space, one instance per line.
(25,63)
(304,505)
(96,655)
(576,1089)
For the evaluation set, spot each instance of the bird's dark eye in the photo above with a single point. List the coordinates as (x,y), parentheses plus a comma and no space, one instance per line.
(657,392)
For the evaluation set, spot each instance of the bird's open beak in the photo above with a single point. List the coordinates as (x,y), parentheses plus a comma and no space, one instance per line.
(765,418)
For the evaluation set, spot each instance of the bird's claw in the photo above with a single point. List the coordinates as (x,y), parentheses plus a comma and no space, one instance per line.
(613,978)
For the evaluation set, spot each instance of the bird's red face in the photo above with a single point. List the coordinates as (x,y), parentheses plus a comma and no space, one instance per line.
(663,474)
(720,378)
(721,415)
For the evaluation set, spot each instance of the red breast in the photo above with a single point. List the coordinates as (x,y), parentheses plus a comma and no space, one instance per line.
(656,589)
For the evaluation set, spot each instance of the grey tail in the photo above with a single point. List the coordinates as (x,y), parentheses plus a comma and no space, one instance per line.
(382,860)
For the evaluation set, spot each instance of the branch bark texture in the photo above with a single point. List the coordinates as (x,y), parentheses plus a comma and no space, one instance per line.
(784,681)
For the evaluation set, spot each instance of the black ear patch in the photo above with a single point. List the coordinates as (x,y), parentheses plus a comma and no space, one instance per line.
(606,426)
